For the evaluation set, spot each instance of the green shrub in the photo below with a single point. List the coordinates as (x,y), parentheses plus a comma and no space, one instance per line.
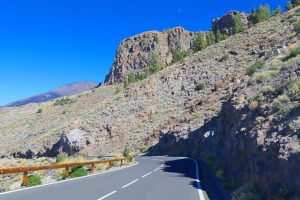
(211,38)
(154,64)
(293,86)
(63,101)
(267,89)
(126,151)
(283,105)
(39,110)
(219,36)
(263,13)
(295,3)
(168,30)
(264,76)
(61,157)
(178,56)
(200,86)
(288,6)
(297,27)
(131,78)
(78,171)
(276,64)
(238,25)
(292,54)
(252,69)
(34,180)
(153,68)
(248,191)
(144,149)
(199,43)
(224,57)
(126,83)
(260,119)
(277,11)
(118,90)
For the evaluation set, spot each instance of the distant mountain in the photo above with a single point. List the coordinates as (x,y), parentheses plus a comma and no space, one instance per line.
(65,90)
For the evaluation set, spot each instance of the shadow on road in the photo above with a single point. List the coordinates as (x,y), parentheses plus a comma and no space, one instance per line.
(186,168)
(183,168)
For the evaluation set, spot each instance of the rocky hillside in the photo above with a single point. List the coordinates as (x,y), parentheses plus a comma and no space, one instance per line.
(65,90)
(134,54)
(234,104)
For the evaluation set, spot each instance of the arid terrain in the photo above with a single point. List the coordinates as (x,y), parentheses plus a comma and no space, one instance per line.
(234,104)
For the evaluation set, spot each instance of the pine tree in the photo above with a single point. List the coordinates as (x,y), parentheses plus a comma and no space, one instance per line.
(238,25)
(219,36)
(277,11)
(126,83)
(253,16)
(289,6)
(154,64)
(225,34)
(263,13)
(199,42)
(211,38)
(296,3)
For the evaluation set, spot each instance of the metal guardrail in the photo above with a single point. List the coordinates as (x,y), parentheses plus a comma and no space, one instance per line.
(67,166)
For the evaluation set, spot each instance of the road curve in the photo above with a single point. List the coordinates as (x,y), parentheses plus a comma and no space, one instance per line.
(163,178)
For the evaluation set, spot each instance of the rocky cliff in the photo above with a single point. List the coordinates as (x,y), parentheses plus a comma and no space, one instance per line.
(226,22)
(134,53)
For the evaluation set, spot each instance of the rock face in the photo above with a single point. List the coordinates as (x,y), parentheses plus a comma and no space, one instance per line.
(134,53)
(269,158)
(65,90)
(227,21)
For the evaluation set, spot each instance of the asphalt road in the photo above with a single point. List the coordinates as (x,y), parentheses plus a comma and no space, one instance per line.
(160,178)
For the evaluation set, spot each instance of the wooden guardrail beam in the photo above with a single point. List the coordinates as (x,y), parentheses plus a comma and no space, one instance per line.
(25,170)
(57,166)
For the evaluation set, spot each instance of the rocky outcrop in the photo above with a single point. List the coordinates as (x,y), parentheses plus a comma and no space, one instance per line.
(241,151)
(226,22)
(69,143)
(134,53)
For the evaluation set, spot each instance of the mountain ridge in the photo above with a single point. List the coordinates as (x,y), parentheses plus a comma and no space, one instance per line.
(64,90)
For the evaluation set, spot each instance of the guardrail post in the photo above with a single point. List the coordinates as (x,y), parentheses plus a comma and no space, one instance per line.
(67,172)
(93,168)
(121,162)
(25,178)
(109,165)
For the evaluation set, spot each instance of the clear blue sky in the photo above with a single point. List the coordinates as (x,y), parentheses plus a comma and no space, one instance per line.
(47,43)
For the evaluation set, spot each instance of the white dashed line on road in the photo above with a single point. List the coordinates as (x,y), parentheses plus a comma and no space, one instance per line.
(146,174)
(156,169)
(107,195)
(130,183)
